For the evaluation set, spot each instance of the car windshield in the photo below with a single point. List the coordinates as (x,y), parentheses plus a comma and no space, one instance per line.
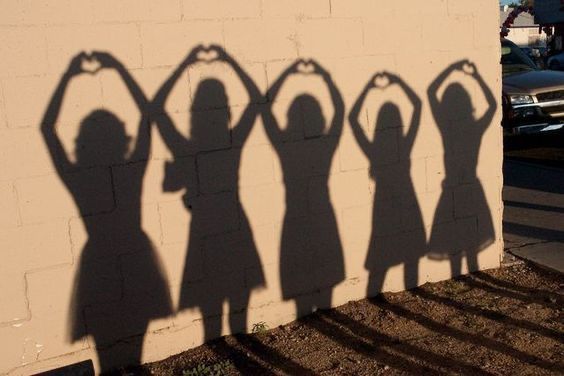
(513,60)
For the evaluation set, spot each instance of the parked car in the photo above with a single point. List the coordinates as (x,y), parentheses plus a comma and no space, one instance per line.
(556,62)
(533,99)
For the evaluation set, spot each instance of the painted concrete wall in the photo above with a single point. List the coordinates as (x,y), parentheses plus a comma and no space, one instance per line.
(148,205)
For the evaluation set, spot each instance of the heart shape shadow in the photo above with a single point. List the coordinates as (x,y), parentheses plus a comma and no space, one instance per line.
(305,68)
(381,81)
(207,55)
(90,65)
(469,68)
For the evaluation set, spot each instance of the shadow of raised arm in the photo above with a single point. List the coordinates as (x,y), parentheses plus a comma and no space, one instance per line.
(358,132)
(486,119)
(336,125)
(174,140)
(54,145)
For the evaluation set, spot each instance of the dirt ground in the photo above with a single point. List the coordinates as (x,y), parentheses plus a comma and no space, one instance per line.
(497,322)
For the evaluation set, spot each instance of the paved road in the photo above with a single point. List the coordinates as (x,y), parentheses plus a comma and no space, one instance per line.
(533,219)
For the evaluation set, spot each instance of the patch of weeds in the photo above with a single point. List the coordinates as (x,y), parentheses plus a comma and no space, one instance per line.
(216,369)
(260,327)
(454,287)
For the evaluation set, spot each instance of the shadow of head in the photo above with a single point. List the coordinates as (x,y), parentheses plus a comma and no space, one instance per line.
(210,110)
(389,116)
(457,102)
(305,114)
(101,140)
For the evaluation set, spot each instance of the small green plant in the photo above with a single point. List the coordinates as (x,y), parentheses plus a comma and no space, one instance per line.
(217,369)
(260,327)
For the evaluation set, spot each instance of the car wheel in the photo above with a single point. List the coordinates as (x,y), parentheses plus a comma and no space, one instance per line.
(554,65)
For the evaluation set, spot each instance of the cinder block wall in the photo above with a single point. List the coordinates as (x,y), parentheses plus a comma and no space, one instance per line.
(96,251)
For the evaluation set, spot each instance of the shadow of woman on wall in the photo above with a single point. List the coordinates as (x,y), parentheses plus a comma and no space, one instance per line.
(222,262)
(119,285)
(398,233)
(311,255)
(462,224)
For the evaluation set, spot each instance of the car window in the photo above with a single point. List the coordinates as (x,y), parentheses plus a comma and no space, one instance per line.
(513,60)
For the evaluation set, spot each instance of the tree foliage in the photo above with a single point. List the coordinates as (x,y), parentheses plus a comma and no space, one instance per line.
(515,4)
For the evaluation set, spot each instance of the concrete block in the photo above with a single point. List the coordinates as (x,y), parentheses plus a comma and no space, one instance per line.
(318,195)
(131,11)
(330,37)
(349,189)
(178,179)
(438,35)
(167,44)
(214,213)
(296,9)
(257,166)
(173,257)
(350,290)
(362,8)
(3,117)
(27,99)
(428,142)
(377,40)
(353,73)
(355,224)
(50,294)
(174,221)
(145,288)
(24,50)
(10,216)
(220,9)
(17,161)
(52,201)
(32,352)
(351,156)
(307,158)
(419,174)
(64,42)
(454,8)
(263,204)
(483,39)
(435,173)
(209,131)
(151,223)
(160,344)
(274,314)
(233,252)
(267,240)
(128,185)
(37,246)
(218,171)
(30,12)
(13,291)
(278,38)
(10,358)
